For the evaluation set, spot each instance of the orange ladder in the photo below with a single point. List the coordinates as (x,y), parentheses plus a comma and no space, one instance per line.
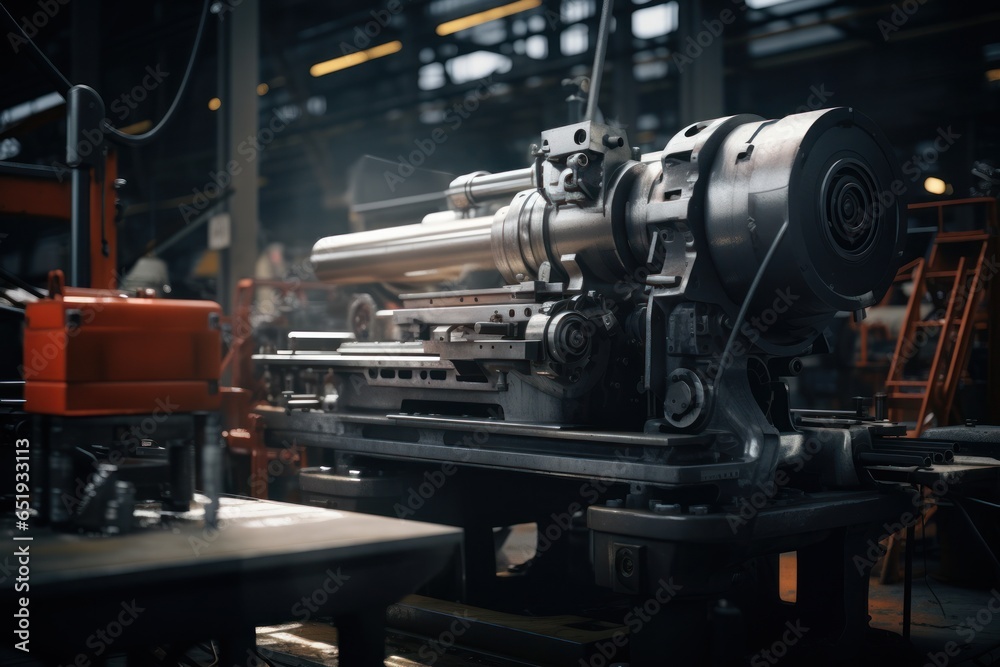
(953,280)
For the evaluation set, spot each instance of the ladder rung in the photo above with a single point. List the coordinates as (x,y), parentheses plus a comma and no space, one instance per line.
(908,383)
(928,323)
(960,237)
(909,397)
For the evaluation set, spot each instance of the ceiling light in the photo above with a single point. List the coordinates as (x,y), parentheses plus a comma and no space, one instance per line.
(472,20)
(935,186)
(356,58)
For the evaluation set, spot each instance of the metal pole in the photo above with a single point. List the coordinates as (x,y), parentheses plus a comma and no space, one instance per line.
(907,579)
(79,245)
(599,54)
(240,104)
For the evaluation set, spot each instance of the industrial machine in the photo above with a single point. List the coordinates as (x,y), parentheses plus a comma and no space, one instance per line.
(622,386)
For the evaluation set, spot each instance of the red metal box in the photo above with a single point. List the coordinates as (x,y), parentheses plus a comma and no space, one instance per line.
(89,352)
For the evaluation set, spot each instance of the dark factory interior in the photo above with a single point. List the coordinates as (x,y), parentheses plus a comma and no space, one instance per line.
(500,332)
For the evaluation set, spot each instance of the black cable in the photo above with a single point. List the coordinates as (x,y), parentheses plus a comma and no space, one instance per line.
(927,583)
(979,536)
(981,501)
(974,660)
(136,140)
(62,84)
(749,297)
(18,282)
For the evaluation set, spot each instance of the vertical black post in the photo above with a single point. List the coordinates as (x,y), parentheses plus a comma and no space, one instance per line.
(85,42)
(908,579)
(240,104)
(361,638)
(701,65)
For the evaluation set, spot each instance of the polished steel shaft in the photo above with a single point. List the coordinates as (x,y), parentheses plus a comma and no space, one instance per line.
(720,192)
(481,186)
(426,252)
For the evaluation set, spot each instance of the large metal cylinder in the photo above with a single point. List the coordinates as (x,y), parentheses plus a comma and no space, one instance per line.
(826,172)
(481,186)
(732,182)
(411,253)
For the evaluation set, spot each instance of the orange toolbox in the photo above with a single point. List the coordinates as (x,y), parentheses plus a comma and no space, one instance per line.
(99,352)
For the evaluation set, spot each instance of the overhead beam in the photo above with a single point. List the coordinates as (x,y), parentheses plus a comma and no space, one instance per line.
(240,106)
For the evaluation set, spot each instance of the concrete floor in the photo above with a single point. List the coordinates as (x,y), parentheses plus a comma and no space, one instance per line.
(957,629)
(953,629)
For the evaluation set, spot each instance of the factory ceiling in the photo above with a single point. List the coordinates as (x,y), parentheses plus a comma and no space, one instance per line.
(345,80)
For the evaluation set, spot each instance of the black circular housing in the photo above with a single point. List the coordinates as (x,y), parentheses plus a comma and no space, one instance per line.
(831,174)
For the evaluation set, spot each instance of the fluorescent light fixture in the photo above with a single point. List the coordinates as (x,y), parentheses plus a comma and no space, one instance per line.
(356,58)
(472,20)
(935,186)
(764,4)
(654,21)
